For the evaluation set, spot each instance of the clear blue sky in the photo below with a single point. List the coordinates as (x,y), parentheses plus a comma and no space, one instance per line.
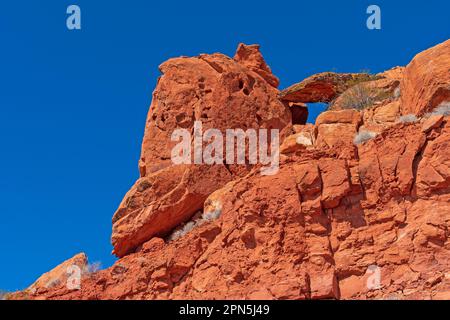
(73,103)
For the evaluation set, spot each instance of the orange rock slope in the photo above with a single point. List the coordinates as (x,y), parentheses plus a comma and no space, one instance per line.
(359,209)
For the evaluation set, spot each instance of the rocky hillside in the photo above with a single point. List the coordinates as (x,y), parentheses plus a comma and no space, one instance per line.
(359,209)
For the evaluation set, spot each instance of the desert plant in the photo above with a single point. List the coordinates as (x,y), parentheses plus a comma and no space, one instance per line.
(442,109)
(397,92)
(198,220)
(409,118)
(92,268)
(357,97)
(363,136)
(361,78)
(181,231)
(53,283)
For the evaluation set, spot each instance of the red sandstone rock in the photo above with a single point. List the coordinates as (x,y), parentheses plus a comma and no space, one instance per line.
(433,172)
(251,58)
(377,91)
(426,81)
(337,221)
(381,117)
(336,130)
(432,123)
(322,87)
(317,229)
(60,274)
(303,137)
(222,93)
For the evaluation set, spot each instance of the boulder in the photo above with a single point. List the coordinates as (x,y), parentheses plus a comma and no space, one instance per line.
(250,57)
(302,138)
(432,122)
(336,130)
(426,81)
(60,274)
(222,93)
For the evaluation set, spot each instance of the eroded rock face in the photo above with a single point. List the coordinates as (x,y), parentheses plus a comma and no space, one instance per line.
(426,81)
(322,87)
(252,59)
(322,227)
(60,274)
(222,93)
(338,220)
(381,117)
(433,172)
(377,91)
(335,131)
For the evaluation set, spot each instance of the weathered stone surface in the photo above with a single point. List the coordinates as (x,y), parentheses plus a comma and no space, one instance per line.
(337,221)
(159,202)
(250,57)
(432,122)
(303,137)
(322,87)
(336,130)
(335,180)
(381,117)
(312,231)
(387,163)
(223,94)
(380,90)
(433,172)
(343,116)
(426,81)
(60,274)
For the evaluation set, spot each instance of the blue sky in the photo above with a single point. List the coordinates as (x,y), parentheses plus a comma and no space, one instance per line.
(73,103)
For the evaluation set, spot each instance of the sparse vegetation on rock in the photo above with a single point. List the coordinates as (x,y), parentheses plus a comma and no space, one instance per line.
(397,93)
(363,136)
(357,97)
(198,220)
(408,118)
(442,109)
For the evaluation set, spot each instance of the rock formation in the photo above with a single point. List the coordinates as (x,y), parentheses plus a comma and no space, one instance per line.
(360,207)
(426,82)
(60,274)
(222,93)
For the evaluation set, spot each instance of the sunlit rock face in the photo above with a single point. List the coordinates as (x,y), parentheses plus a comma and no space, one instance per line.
(359,208)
